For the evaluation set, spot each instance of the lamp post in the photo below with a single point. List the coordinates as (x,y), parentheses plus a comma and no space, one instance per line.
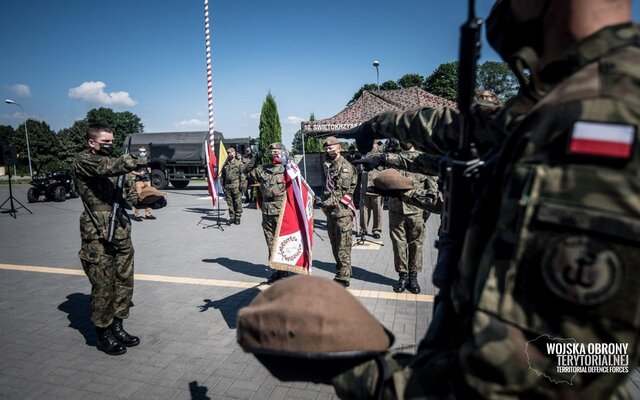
(376,64)
(26,132)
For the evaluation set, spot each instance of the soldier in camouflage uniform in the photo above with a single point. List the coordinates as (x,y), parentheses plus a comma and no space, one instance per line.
(273,192)
(551,251)
(371,207)
(232,172)
(406,228)
(340,183)
(109,266)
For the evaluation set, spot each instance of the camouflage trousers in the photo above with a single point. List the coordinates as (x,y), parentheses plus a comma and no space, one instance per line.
(371,208)
(110,271)
(340,236)
(407,238)
(269,224)
(233,197)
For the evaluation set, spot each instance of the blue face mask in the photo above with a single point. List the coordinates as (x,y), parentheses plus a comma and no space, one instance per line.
(142,154)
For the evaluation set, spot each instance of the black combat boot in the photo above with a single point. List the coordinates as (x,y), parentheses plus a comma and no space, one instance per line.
(399,286)
(413,286)
(237,221)
(107,343)
(121,335)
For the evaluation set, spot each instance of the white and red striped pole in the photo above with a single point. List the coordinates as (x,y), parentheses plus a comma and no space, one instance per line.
(209,80)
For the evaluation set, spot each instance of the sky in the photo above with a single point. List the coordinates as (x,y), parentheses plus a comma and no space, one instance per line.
(62,58)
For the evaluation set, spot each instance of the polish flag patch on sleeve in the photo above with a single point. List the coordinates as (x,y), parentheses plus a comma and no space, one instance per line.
(602,140)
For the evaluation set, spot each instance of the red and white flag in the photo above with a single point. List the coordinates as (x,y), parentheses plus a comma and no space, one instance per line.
(212,172)
(602,140)
(293,239)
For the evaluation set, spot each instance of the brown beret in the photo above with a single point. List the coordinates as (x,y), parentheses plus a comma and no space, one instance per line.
(309,316)
(331,140)
(391,179)
(275,146)
(150,195)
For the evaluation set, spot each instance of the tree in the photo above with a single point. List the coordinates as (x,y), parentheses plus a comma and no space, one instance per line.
(443,81)
(6,134)
(73,140)
(411,80)
(498,78)
(389,85)
(122,124)
(372,87)
(270,128)
(44,147)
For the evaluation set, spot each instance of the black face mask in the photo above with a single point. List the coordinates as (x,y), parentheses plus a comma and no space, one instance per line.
(507,36)
(330,155)
(106,149)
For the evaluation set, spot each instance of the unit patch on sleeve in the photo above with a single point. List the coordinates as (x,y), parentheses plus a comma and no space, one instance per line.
(581,270)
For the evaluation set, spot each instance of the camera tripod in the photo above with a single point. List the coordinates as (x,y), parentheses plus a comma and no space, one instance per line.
(13,210)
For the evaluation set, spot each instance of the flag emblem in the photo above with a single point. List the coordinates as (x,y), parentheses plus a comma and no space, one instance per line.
(602,140)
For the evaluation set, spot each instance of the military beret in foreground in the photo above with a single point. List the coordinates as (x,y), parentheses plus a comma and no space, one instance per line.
(310,328)
(275,146)
(150,195)
(391,179)
(331,140)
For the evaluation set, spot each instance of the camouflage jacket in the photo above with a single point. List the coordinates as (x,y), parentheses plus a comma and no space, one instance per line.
(551,253)
(232,172)
(343,178)
(272,187)
(425,194)
(95,179)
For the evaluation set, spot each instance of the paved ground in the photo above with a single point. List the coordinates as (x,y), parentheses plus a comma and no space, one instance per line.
(191,279)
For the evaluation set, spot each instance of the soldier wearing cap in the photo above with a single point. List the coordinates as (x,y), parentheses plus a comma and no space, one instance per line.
(340,183)
(548,257)
(406,228)
(232,172)
(270,176)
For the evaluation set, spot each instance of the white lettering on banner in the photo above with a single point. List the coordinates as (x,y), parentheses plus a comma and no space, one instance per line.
(568,358)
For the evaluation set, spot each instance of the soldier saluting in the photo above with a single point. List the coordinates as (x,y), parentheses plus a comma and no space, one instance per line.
(108,264)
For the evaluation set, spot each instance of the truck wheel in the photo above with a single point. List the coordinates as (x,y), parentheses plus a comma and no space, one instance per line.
(32,196)
(59,194)
(180,184)
(158,179)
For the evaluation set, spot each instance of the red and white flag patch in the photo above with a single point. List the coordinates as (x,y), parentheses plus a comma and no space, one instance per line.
(602,140)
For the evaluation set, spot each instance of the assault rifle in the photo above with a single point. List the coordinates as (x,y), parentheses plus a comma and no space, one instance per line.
(116,203)
(457,169)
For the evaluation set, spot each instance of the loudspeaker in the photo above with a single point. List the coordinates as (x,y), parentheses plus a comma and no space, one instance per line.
(9,155)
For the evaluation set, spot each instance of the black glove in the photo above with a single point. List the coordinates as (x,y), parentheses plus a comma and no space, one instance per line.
(363,134)
(371,162)
(395,193)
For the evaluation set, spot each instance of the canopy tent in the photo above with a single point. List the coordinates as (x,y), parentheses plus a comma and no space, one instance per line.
(371,104)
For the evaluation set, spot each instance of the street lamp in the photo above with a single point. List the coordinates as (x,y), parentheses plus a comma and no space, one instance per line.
(26,132)
(376,64)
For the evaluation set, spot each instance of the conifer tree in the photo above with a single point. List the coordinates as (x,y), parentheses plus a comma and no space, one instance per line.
(270,127)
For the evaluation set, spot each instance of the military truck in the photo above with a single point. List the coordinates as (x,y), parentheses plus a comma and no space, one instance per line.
(178,157)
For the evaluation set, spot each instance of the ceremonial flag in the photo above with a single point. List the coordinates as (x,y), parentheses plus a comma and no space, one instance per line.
(293,238)
(212,168)
(222,158)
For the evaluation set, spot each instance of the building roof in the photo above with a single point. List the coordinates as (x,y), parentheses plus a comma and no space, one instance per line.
(372,103)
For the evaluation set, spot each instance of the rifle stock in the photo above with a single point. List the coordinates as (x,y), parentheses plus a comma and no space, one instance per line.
(456,190)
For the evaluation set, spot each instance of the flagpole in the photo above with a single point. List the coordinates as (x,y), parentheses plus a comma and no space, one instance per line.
(212,138)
